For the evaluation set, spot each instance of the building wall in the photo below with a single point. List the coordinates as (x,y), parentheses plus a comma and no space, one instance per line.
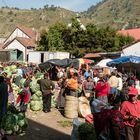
(16,33)
(17,45)
(34,57)
(132,50)
(56,55)
(42,56)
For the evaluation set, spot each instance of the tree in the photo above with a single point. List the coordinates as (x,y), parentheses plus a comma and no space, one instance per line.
(77,41)
(46,6)
(42,44)
(123,40)
(73,36)
(55,40)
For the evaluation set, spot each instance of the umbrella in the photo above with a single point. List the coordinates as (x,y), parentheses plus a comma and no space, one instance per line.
(103,63)
(85,61)
(124,60)
(126,63)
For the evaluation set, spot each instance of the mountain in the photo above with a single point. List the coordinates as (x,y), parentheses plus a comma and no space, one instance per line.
(119,14)
(35,18)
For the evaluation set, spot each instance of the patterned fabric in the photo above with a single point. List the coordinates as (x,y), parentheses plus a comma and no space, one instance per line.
(88,86)
(102,119)
(117,119)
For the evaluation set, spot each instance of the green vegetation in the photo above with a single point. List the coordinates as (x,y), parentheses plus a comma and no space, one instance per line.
(101,22)
(86,132)
(79,41)
(115,13)
(38,18)
(14,122)
(64,123)
(112,13)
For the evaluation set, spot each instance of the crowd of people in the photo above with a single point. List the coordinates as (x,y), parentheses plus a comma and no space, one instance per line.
(113,98)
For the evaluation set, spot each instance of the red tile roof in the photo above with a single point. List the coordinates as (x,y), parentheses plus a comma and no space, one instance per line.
(27,42)
(31,32)
(135,33)
(92,55)
(102,54)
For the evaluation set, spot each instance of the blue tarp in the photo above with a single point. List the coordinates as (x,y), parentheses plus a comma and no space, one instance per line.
(125,59)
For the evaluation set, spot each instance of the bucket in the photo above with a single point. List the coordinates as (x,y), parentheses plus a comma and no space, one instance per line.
(71,107)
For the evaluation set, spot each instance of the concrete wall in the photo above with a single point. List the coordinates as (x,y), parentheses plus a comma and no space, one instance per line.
(42,56)
(34,57)
(56,55)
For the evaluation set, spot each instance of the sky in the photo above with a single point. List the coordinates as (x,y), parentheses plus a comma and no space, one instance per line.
(74,5)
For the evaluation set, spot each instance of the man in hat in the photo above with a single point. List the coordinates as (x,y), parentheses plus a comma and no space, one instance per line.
(46,86)
(131,113)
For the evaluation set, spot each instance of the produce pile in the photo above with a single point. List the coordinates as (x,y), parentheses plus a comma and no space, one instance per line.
(16,91)
(10,70)
(86,132)
(36,102)
(14,122)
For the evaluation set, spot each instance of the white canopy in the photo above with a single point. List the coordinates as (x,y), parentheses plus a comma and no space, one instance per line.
(103,63)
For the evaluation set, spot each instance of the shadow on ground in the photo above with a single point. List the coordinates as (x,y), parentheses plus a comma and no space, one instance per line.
(38,131)
(61,110)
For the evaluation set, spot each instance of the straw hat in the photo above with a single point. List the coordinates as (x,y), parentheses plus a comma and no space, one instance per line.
(84,107)
(84,110)
(83,99)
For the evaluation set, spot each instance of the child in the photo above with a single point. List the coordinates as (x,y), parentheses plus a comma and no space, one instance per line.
(24,98)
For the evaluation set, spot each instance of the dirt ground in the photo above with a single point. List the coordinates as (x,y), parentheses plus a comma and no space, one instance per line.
(46,126)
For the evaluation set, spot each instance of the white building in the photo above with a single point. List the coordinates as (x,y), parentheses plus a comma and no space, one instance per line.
(42,56)
(22,39)
(131,49)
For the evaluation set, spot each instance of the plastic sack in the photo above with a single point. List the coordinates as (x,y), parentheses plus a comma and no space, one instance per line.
(74,133)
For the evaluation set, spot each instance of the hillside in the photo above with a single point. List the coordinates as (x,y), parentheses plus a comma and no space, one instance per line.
(37,18)
(119,14)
